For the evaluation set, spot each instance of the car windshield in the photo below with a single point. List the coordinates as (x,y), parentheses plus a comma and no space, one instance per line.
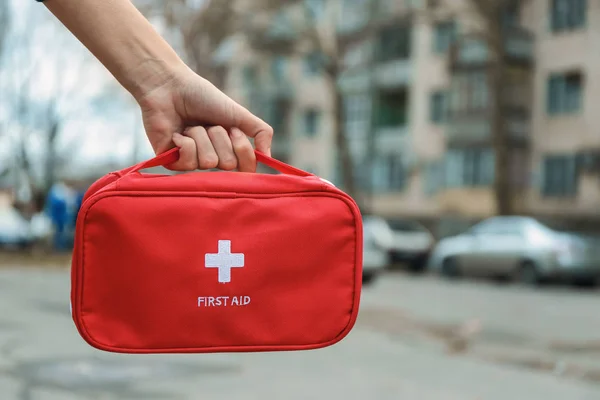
(542,226)
(406,226)
(498,225)
(511,225)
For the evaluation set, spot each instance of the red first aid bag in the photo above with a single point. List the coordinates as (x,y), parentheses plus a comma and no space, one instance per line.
(215,261)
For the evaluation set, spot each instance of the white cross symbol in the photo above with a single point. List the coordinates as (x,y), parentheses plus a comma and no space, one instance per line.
(224,260)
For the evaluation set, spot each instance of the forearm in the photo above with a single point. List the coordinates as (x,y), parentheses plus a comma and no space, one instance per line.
(122,39)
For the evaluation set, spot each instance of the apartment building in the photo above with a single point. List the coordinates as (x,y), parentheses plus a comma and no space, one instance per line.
(419,125)
(565,122)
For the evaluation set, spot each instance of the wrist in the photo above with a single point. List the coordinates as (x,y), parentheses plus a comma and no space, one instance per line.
(151,74)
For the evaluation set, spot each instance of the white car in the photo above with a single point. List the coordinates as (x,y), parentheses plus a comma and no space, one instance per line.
(520,248)
(412,244)
(14,228)
(377,242)
(16,231)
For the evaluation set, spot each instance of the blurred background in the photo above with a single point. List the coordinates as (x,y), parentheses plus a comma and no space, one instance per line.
(465,130)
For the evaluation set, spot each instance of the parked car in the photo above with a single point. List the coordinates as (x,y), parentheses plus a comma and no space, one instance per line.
(412,244)
(14,229)
(377,241)
(520,248)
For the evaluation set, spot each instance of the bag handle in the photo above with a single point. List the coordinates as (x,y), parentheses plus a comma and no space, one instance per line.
(172,155)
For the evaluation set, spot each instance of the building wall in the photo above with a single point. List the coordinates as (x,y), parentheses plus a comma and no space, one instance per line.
(425,141)
(566,134)
(312,92)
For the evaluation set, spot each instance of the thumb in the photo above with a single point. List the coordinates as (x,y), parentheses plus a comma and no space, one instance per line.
(256,128)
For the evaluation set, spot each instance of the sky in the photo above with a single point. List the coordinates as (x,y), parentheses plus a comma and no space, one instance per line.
(53,64)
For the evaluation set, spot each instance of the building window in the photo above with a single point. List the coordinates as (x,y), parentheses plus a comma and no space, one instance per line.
(469,167)
(358,54)
(313,63)
(389,173)
(249,75)
(438,107)
(559,176)
(315,9)
(277,115)
(469,92)
(278,68)
(510,15)
(568,15)
(357,114)
(394,43)
(311,122)
(434,178)
(392,110)
(444,36)
(565,92)
(361,172)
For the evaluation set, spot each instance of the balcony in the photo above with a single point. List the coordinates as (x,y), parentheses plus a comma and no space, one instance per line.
(271,102)
(476,129)
(474,52)
(277,89)
(388,139)
(387,75)
(355,81)
(392,74)
(264,93)
(351,22)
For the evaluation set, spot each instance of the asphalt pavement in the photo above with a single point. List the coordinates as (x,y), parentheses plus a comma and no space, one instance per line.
(416,338)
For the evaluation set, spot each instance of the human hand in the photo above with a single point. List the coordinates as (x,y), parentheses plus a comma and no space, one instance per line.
(210,128)
(179,108)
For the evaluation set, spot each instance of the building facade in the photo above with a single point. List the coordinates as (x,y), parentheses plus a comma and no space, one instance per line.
(418,121)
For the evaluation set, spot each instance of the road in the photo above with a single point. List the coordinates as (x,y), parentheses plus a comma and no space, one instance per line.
(417,338)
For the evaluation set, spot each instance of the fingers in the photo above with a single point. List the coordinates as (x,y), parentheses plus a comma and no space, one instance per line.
(188,159)
(223,147)
(243,151)
(214,147)
(206,155)
(205,102)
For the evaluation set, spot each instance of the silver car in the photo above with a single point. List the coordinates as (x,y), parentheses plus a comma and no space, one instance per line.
(377,242)
(520,248)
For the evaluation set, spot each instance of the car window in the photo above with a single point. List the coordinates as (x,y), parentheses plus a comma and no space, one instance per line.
(499,227)
(406,226)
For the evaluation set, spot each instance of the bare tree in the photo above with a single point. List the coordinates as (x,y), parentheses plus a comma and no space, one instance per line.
(195,28)
(201,30)
(40,93)
(313,28)
(494,32)
(201,27)
(4,22)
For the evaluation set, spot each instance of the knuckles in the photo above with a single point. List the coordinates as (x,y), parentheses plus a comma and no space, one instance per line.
(216,130)
(228,164)
(208,161)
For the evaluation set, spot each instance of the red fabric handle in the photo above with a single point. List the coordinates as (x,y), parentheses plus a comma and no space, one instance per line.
(172,155)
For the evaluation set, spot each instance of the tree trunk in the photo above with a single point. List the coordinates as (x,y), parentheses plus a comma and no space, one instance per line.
(341,140)
(503,192)
(50,176)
